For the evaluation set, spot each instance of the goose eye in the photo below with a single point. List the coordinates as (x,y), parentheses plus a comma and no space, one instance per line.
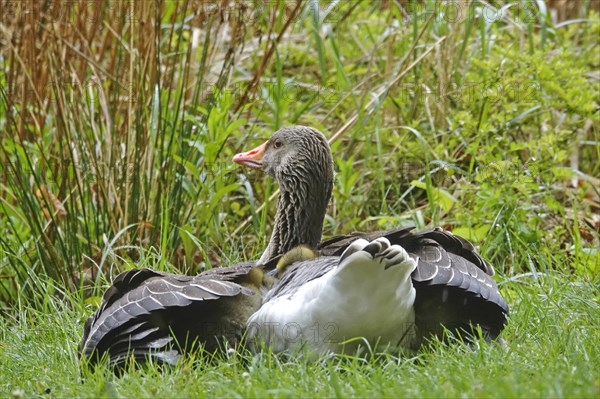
(277,144)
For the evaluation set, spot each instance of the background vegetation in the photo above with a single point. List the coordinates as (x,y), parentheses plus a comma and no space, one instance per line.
(118,121)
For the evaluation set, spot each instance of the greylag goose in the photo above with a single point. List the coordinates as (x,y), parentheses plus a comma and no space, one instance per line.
(394,288)
(398,287)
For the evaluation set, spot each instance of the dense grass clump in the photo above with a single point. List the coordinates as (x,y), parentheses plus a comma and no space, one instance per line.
(118,121)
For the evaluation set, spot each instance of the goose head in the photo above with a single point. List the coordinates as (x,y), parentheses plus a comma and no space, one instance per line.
(299,158)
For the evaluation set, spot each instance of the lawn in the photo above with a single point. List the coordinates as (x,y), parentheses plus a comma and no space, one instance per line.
(119,119)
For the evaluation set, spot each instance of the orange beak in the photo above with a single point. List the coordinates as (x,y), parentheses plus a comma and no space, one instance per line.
(252,158)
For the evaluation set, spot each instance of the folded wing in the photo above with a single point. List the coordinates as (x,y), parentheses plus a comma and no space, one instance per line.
(149,313)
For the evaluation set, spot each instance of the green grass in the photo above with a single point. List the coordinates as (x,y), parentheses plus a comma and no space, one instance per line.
(117,131)
(550,350)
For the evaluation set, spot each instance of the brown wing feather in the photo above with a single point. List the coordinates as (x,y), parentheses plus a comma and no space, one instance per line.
(336,245)
(146,313)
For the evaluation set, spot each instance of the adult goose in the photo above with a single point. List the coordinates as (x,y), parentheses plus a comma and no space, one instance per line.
(394,288)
